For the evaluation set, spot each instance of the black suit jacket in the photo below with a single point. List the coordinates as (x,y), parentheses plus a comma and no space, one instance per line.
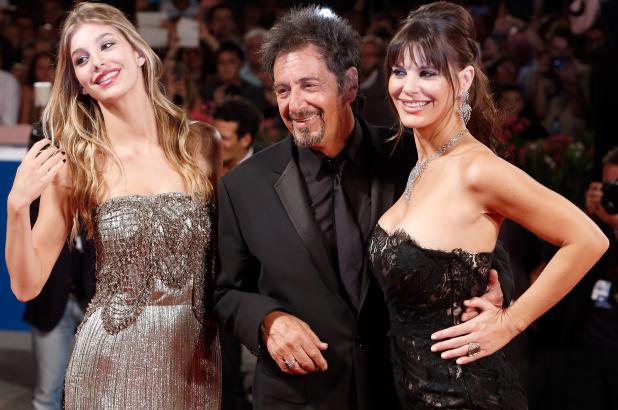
(273,258)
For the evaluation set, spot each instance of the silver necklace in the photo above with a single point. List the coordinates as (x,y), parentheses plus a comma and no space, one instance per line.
(421,166)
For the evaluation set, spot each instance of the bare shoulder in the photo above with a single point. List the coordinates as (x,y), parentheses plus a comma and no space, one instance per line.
(208,144)
(481,168)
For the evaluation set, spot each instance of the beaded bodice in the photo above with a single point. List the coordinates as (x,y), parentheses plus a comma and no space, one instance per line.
(151,250)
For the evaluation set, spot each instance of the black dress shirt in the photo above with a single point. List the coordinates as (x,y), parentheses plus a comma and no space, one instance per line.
(356,185)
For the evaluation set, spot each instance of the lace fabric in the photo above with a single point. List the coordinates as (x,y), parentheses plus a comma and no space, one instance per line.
(424,290)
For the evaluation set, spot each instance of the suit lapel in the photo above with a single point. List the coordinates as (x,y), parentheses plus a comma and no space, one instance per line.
(382,196)
(289,188)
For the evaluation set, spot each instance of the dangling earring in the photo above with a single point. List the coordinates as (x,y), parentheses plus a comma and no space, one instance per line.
(465,111)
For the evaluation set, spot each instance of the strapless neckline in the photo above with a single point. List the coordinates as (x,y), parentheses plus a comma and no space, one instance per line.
(403,236)
(114,199)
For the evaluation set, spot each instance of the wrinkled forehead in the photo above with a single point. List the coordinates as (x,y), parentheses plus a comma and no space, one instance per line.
(306,61)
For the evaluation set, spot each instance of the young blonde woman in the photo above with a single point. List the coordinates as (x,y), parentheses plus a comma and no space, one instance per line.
(125,163)
(433,247)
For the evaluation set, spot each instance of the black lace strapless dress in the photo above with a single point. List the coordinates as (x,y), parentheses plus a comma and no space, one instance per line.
(424,290)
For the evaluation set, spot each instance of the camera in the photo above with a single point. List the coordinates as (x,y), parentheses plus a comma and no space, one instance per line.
(560,63)
(609,201)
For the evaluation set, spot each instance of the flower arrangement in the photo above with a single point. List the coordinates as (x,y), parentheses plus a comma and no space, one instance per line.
(559,162)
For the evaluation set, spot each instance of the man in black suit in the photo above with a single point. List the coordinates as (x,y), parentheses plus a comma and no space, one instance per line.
(293,223)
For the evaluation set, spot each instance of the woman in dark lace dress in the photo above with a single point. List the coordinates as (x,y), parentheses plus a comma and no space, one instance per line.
(433,248)
(141,180)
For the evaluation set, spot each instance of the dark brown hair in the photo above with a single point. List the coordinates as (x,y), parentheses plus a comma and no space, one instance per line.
(337,41)
(444,33)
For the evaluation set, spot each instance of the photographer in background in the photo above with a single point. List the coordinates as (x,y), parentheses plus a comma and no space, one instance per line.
(601,197)
(590,326)
(575,345)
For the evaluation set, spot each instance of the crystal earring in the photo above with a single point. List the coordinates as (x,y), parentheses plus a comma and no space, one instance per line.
(465,111)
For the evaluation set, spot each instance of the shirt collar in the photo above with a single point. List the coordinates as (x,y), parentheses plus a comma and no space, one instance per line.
(310,161)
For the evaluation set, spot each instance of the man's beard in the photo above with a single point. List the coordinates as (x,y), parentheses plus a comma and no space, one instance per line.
(305,138)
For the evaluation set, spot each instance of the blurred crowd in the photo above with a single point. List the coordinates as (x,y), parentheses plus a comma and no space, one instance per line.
(550,79)
(542,73)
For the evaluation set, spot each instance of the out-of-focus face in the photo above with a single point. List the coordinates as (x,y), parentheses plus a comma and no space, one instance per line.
(222,24)
(421,95)
(43,69)
(559,46)
(370,56)
(105,64)
(252,50)
(506,73)
(511,102)
(309,100)
(228,66)
(233,147)
(491,48)
(610,173)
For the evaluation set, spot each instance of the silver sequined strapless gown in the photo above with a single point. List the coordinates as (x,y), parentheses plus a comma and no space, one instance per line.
(146,341)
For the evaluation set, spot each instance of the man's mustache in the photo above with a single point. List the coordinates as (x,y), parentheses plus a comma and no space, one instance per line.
(303,115)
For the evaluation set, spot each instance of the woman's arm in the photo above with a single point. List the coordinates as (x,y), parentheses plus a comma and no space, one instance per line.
(507,191)
(31,252)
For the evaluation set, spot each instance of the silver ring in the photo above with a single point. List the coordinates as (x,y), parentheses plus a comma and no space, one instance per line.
(290,363)
(473,349)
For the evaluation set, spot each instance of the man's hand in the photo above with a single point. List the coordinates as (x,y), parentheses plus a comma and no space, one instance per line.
(594,207)
(292,344)
(493,295)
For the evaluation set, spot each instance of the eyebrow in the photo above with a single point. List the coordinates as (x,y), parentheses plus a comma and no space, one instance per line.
(99,37)
(300,80)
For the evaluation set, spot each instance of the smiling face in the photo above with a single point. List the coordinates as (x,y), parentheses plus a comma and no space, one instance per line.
(233,147)
(421,94)
(104,62)
(315,111)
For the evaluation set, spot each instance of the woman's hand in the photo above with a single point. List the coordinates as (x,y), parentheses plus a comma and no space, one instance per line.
(490,330)
(36,171)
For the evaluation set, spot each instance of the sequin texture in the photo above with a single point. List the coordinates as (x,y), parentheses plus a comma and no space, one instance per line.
(146,341)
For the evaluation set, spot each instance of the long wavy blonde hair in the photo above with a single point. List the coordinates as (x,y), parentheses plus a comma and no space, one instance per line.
(75,121)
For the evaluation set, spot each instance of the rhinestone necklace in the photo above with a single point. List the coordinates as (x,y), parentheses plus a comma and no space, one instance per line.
(421,166)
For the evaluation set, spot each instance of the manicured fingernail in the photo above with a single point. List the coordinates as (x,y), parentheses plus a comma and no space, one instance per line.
(444,355)
(459,361)
(433,337)
(433,348)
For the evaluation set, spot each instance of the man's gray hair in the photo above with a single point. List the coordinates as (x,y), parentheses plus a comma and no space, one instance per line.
(335,38)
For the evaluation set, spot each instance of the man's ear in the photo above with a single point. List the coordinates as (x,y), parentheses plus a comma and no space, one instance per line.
(246,140)
(350,85)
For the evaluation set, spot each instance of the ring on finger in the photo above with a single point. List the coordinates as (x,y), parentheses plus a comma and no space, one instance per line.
(473,349)
(289,363)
